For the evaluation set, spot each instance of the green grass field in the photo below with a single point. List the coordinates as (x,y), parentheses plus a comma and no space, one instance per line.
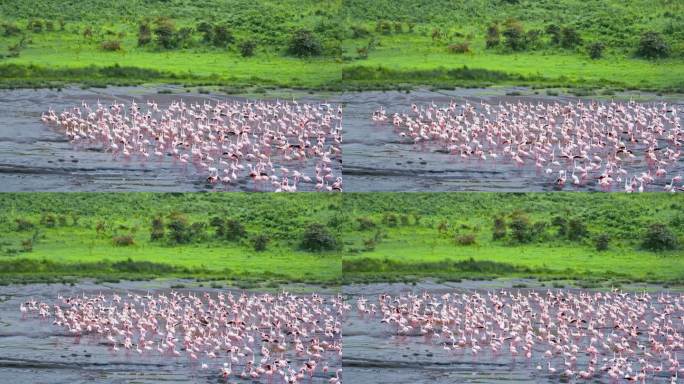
(363,44)
(75,230)
(383,237)
(417,235)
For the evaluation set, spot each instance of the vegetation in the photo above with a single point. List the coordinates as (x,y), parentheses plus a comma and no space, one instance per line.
(575,236)
(147,235)
(344,45)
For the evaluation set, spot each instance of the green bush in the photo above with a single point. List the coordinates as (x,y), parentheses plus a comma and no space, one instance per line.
(365,223)
(514,35)
(521,229)
(157,232)
(222,37)
(658,238)
(260,242)
(317,238)
(569,38)
(10,29)
(595,50)
(23,225)
(602,241)
(459,48)
(179,229)
(465,239)
(653,46)
(165,33)
(493,38)
(499,230)
(234,230)
(144,34)
(304,43)
(247,48)
(577,230)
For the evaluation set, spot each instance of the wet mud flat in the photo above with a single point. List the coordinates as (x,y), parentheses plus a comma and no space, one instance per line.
(376,353)
(36,351)
(376,158)
(35,157)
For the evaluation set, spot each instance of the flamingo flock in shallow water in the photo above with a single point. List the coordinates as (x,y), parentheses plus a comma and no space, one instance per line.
(568,144)
(270,143)
(587,336)
(281,338)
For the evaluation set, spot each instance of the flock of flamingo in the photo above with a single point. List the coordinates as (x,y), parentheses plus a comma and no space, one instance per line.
(587,336)
(280,338)
(578,143)
(271,143)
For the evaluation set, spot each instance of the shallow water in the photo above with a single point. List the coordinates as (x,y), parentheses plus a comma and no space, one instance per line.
(373,353)
(34,157)
(376,158)
(35,351)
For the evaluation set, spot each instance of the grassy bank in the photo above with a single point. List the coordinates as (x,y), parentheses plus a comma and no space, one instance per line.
(484,235)
(348,45)
(205,236)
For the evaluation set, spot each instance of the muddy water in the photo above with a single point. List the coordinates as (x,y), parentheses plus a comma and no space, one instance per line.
(35,158)
(35,351)
(373,353)
(376,158)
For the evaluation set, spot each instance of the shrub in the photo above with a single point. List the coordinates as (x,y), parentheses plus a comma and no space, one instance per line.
(659,237)
(569,38)
(521,229)
(365,223)
(27,245)
(317,238)
(562,224)
(652,46)
(304,43)
(577,230)
(554,32)
(462,47)
(222,36)
(595,50)
(24,225)
(144,34)
(111,45)
(369,244)
(207,31)
(49,26)
(10,29)
(514,34)
(48,219)
(165,33)
(260,242)
(157,232)
(465,239)
(404,219)
(398,27)
(35,25)
(359,32)
(123,241)
(493,38)
(602,241)
(179,229)
(234,230)
(499,230)
(198,231)
(383,26)
(390,219)
(247,48)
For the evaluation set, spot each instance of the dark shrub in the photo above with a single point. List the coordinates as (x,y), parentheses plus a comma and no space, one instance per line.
(10,29)
(384,27)
(554,33)
(207,31)
(198,231)
(165,33)
(369,244)
(493,38)
(569,38)
(27,245)
(222,36)
(577,230)
(49,26)
(179,229)
(398,27)
(562,224)
(652,46)
(247,48)
(260,242)
(404,219)
(602,241)
(49,220)
(157,232)
(123,241)
(595,50)
(514,34)
(462,47)
(359,31)
(35,25)
(499,230)
(144,34)
(23,225)
(659,237)
(234,230)
(365,223)
(521,230)
(390,219)
(317,238)
(465,239)
(111,45)
(304,43)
